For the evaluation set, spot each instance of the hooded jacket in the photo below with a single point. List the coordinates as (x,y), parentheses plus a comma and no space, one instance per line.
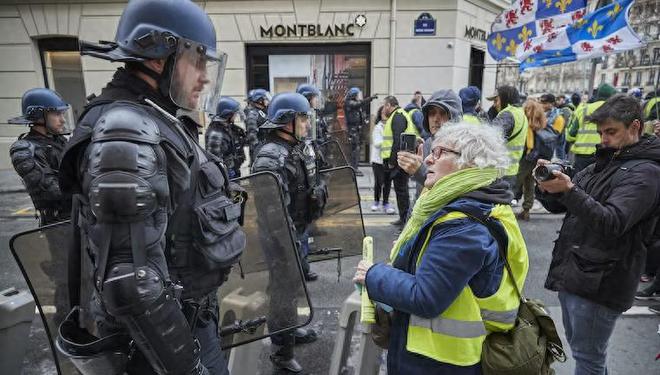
(610,216)
(438,281)
(450,102)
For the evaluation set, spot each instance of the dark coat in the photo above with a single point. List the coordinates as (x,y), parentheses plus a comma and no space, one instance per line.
(610,216)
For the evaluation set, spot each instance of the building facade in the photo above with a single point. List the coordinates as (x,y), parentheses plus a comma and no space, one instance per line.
(382,46)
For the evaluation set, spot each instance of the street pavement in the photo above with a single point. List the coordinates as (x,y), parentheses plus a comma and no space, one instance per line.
(633,348)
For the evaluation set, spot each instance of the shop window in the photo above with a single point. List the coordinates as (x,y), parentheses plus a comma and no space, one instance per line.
(476,74)
(62,70)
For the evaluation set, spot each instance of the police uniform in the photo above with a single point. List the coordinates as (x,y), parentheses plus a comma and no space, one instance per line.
(36,159)
(145,195)
(226,141)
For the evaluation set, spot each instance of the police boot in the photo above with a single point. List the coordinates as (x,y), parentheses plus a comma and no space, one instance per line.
(283,360)
(304,336)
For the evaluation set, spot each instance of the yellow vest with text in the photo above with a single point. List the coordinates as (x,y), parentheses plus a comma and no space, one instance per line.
(456,336)
(516,144)
(388,136)
(471,119)
(587,136)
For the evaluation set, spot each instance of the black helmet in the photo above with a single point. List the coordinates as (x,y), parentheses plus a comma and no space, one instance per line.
(227,107)
(36,103)
(171,30)
(284,108)
(308,91)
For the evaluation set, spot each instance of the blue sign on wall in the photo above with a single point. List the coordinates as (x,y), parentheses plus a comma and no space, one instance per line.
(425,25)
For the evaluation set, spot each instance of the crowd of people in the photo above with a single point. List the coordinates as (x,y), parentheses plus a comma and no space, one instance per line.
(154,266)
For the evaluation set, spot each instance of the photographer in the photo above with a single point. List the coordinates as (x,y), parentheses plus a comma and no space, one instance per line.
(610,213)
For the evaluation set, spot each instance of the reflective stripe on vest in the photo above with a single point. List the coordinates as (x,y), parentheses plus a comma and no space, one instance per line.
(471,119)
(649,105)
(388,136)
(456,336)
(516,145)
(587,135)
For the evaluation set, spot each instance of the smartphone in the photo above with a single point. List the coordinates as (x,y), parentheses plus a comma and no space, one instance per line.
(408,142)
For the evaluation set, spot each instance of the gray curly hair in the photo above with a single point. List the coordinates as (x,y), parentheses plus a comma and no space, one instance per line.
(481,146)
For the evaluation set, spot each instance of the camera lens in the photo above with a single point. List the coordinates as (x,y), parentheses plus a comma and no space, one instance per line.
(543,173)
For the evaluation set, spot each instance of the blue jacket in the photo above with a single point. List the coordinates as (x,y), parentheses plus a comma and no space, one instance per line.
(460,252)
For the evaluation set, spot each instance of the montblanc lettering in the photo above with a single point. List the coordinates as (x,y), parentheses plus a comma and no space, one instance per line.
(474,33)
(307,30)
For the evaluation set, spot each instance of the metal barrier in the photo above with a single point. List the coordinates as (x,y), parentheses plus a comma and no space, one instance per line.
(16,315)
(367,360)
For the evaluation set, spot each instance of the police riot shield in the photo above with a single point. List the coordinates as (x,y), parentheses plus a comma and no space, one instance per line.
(42,256)
(343,139)
(340,230)
(265,293)
(333,155)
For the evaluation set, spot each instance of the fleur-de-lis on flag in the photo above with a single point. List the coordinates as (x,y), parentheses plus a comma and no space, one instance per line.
(614,40)
(511,18)
(548,3)
(586,47)
(547,26)
(594,28)
(562,5)
(524,34)
(511,48)
(614,11)
(499,41)
(607,48)
(528,44)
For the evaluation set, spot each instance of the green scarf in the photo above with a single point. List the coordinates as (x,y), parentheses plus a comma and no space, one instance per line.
(445,190)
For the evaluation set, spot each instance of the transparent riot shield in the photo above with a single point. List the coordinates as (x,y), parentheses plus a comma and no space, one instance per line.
(339,232)
(265,293)
(42,256)
(344,141)
(333,155)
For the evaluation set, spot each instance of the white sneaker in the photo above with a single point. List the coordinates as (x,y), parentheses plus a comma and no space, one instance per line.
(389,209)
(375,206)
(515,203)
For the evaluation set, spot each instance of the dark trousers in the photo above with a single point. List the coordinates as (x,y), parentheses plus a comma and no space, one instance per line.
(583,161)
(379,183)
(355,149)
(400,179)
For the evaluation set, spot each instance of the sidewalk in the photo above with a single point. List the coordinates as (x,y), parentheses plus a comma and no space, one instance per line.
(10,182)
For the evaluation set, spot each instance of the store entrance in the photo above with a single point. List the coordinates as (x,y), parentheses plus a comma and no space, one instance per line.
(332,67)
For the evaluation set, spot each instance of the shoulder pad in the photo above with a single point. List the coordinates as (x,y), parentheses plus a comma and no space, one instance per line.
(127,123)
(270,156)
(21,145)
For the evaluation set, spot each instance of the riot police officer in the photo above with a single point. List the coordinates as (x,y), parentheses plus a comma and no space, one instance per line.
(356,118)
(255,116)
(319,125)
(225,139)
(286,153)
(144,192)
(36,154)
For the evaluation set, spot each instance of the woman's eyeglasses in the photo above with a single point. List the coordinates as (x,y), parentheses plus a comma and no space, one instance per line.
(438,150)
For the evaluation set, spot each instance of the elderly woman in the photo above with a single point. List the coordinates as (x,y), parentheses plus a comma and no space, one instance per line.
(446,282)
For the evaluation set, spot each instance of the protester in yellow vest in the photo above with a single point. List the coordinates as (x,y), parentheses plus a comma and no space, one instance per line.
(398,121)
(584,134)
(470,99)
(511,119)
(445,280)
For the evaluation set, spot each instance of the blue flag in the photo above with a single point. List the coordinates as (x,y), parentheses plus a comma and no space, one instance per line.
(527,19)
(602,32)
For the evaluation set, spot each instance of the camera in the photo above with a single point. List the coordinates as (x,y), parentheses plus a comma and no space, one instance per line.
(545,172)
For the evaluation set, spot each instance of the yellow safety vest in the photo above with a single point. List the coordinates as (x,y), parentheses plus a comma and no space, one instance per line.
(388,136)
(471,119)
(649,105)
(587,136)
(456,336)
(516,142)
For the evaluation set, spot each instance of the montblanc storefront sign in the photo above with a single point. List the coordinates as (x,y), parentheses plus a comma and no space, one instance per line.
(310,30)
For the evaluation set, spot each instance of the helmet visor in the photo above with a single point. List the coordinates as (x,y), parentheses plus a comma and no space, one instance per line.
(197,77)
(60,121)
(303,126)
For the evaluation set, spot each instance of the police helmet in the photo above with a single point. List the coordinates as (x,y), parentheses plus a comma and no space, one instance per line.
(227,107)
(36,103)
(284,108)
(308,91)
(257,95)
(353,92)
